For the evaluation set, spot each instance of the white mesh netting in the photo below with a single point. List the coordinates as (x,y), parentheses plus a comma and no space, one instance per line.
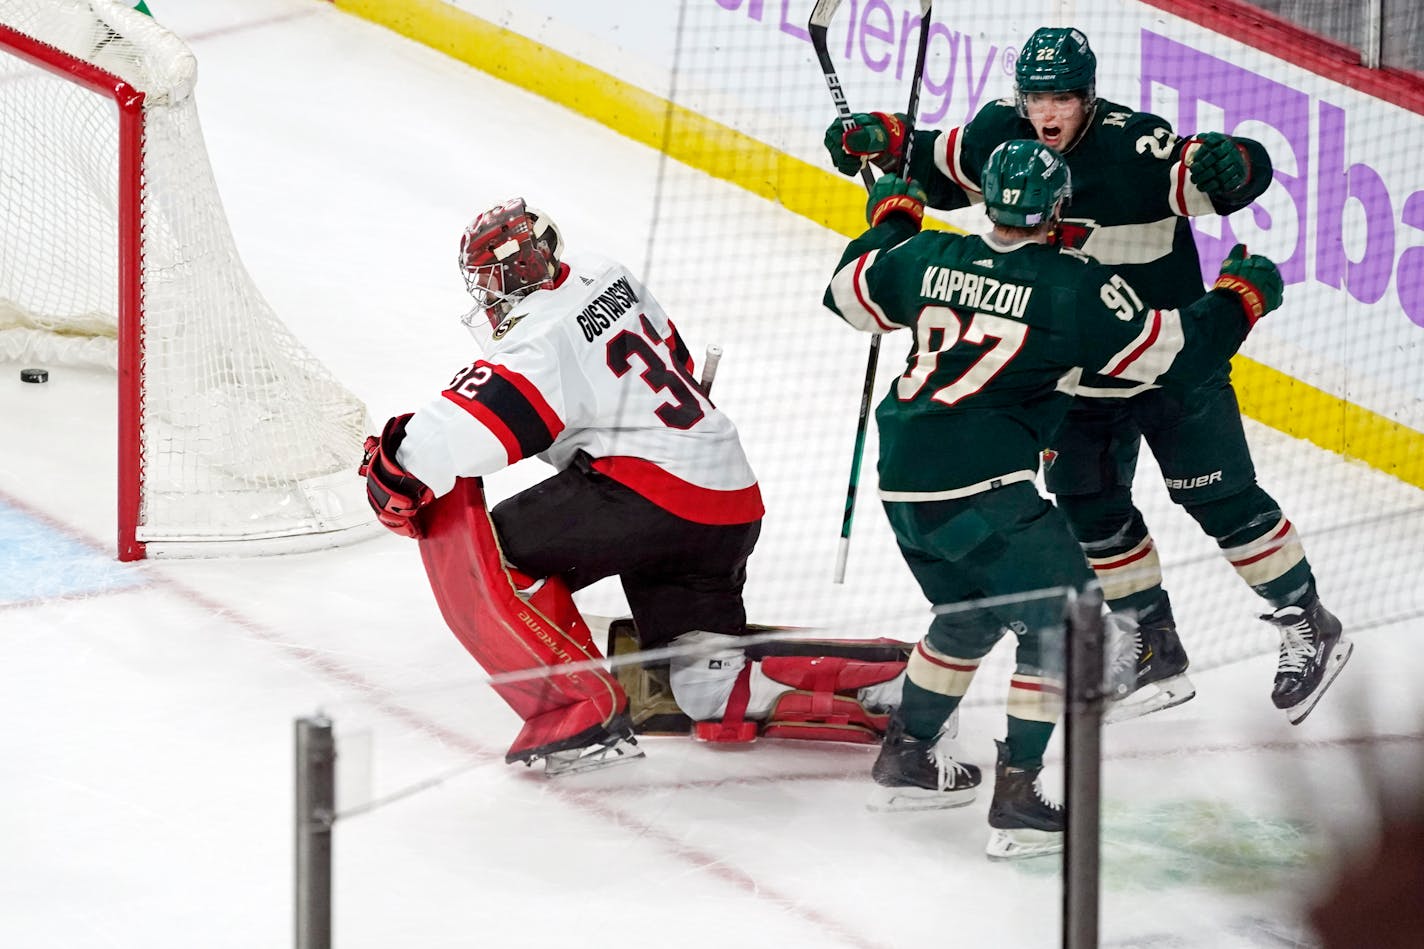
(245,435)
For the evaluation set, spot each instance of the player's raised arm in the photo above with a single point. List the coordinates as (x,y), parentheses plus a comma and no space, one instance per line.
(1182,347)
(871,278)
(879,138)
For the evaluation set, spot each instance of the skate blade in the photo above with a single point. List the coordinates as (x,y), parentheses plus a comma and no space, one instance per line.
(583,760)
(1338,657)
(1170,693)
(1020,843)
(885,799)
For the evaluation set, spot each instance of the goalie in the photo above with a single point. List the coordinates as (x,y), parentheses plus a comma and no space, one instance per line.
(584,370)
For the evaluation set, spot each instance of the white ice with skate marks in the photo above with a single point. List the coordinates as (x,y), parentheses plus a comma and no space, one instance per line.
(146,783)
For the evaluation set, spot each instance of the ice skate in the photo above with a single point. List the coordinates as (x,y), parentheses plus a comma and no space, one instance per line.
(614,746)
(1312,655)
(1024,822)
(1151,661)
(914,774)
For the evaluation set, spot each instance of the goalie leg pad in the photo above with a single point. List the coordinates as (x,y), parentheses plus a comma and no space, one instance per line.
(824,703)
(867,672)
(808,698)
(507,633)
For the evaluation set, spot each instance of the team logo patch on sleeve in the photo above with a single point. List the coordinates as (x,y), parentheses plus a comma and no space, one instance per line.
(507,324)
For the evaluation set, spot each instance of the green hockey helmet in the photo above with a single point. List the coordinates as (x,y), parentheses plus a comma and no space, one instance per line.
(1056,59)
(1024,183)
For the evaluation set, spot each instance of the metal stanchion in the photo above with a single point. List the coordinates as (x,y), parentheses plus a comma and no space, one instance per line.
(1083,721)
(315,816)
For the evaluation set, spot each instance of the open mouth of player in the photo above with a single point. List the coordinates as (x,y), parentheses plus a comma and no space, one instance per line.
(1051,135)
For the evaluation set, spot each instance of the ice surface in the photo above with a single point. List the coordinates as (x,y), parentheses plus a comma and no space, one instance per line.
(146,757)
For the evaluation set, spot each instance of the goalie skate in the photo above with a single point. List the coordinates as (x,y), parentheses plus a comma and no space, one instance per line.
(592,757)
(614,746)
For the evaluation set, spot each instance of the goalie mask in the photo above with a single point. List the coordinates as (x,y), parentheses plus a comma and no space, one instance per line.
(507,253)
(1025,184)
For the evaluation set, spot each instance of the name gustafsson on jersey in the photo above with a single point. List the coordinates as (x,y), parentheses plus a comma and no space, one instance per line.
(606,308)
(975,291)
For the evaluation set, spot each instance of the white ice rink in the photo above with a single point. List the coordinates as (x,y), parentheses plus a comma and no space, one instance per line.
(146,746)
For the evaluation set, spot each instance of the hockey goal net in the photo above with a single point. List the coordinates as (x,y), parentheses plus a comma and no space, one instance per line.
(115,251)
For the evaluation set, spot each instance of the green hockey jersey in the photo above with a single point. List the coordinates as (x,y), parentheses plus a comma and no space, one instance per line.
(1000,334)
(1131,197)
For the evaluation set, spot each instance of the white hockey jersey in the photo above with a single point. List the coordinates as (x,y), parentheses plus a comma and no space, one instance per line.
(592,365)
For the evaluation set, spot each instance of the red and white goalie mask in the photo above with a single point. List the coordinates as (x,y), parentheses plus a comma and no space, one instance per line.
(507,253)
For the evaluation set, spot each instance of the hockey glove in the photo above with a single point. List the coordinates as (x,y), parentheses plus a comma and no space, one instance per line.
(892,194)
(393,493)
(877,137)
(1254,279)
(1216,164)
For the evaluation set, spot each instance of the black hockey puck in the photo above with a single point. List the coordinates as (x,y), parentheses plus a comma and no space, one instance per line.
(34,375)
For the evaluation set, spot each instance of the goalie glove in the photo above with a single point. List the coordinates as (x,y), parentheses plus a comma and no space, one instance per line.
(892,194)
(877,137)
(1254,279)
(1216,164)
(393,493)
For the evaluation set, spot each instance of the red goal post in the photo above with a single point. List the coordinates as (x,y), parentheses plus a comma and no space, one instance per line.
(115,250)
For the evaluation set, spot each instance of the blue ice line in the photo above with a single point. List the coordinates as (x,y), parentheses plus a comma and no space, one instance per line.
(37,562)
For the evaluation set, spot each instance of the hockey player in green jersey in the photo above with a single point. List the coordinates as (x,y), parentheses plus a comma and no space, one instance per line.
(1001,324)
(1135,184)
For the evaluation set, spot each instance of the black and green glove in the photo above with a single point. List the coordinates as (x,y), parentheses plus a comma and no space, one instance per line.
(1254,279)
(877,137)
(1216,164)
(892,194)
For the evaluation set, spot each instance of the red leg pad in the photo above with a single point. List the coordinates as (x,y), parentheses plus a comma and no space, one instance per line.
(506,633)
(828,673)
(814,710)
(811,716)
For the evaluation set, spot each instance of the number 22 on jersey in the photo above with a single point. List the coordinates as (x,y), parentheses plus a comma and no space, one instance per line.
(938,329)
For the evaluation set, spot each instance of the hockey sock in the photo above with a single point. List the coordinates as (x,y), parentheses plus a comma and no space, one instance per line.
(1272,563)
(1027,740)
(924,712)
(934,685)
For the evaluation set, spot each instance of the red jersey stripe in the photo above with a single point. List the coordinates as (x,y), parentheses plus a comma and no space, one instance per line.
(1145,345)
(684,499)
(864,299)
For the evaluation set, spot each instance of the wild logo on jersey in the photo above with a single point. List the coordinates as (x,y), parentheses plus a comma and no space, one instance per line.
(1073,234)
(606,308)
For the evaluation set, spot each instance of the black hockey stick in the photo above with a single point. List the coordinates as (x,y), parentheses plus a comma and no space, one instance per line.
(821,19)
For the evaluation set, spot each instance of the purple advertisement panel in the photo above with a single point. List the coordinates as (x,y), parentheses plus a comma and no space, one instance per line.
(1320,153)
